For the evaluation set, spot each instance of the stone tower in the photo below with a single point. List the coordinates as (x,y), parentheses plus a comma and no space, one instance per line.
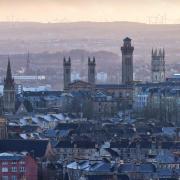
(9,91)
(127,61)
(67,72)
(3,128)
(92,71)
(158,65)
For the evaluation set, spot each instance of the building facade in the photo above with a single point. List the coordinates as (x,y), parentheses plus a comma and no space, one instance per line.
(18,166)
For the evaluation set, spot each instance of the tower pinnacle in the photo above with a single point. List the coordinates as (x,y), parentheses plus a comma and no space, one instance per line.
(158,65)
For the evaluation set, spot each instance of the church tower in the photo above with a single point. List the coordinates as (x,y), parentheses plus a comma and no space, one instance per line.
(158,65)
(127,61)
(9,91)
(92,71)
(67,72)
(3,128)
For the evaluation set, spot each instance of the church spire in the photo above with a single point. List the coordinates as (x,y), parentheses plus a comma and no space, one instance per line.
(9,91)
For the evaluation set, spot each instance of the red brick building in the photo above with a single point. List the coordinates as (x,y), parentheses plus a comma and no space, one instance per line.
(15,166)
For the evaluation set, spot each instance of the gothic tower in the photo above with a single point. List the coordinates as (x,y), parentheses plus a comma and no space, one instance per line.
(127,61)
(92,71)
(9,91)
(3,128)
(158,65)
(67,72)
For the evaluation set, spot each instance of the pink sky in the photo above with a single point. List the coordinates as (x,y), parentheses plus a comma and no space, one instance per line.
(92,10)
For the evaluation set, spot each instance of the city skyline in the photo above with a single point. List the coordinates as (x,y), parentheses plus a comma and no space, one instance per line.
(89,90)
(144,11)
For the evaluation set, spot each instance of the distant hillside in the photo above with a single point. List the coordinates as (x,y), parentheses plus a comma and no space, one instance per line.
(49,42)
(91,36)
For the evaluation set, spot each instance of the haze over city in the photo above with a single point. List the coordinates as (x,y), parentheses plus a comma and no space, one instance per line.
(90,90)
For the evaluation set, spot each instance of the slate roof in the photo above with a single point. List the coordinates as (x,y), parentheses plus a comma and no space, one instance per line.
(113,86)
(75,165)
(42,93)
(64,144)
(11,156)
(37,147)
(80,82)
(112,152)
(100,167)
(78,144)
(66,126)
(97,177)
(29,128)
(119,144)
(124,168)
(141,168)
(85,144)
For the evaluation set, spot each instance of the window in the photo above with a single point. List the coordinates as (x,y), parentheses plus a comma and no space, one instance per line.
(4,177)
(4,169)
(14,169)
(13,178)
(22,169)
(21,162)
(4,163)
(14,162)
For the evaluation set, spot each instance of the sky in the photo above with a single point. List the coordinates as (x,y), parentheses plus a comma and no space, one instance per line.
(146,11)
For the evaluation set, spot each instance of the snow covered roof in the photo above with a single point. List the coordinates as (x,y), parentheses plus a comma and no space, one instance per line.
(10,156)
